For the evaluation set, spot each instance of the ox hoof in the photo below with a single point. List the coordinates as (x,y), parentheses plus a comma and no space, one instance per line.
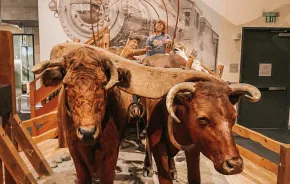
(147,172)
(174,174)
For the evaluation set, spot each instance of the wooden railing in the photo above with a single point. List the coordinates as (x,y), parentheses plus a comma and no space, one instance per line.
(49,126)
(37,96)
(283,169)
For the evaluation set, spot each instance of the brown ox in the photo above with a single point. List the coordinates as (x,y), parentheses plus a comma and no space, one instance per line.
(206,113)
(92,116)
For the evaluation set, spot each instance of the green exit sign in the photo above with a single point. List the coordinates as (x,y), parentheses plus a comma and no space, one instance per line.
(271,17)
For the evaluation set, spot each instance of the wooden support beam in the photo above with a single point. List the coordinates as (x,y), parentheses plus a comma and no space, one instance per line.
(6,124)
(13,161)
(284,166)
(30,149)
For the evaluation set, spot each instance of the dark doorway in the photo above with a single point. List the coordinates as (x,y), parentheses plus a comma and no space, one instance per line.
(265,64)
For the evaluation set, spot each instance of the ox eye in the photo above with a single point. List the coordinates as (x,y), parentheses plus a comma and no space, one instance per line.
(203,120)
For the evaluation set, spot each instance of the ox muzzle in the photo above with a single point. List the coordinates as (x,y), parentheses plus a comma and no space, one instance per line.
(231,166)
(87,134)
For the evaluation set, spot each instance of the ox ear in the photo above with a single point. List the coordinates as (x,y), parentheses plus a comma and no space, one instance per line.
(52,77)
(235,98)
(124,78)
(182,98)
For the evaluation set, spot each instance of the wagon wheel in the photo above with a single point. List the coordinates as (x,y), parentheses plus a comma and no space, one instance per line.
(136,111)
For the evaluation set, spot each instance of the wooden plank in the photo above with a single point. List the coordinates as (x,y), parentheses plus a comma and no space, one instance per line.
(30,149)
(260,138)
(258,159)
(48,135)
(43,92)
(46,118)
(48,107)
(47,126)
(284,166)
(257,173)
(13,161)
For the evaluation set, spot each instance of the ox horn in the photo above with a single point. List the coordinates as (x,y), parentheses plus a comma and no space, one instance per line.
(40,67)
(114,79)
(184,86)
(252,93)
(172,139)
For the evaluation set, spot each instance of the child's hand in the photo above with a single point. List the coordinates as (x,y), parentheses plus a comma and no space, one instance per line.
(168,41)
(148,48)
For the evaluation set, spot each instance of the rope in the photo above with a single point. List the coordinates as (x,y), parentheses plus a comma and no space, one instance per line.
(177,17)
(91,14)
(166,14)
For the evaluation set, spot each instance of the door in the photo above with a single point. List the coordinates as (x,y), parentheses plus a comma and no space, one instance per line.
(265,64)
(23,61)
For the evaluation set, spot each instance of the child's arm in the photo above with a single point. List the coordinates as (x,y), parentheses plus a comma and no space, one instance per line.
(136,52)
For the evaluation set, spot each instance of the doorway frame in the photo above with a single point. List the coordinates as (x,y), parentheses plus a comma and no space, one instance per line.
(286,125)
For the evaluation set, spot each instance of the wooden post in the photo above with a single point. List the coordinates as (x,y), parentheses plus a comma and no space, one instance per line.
(284,166)
(7,64)
(6,123)
(32,105)
(30,149)
(190,61)
(220,69)
(13,161)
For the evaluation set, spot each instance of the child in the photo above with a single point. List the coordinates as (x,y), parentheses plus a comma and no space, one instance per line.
(131,50)
(159,39)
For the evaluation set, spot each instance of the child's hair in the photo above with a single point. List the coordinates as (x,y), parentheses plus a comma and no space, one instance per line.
(164,31)
(135,38)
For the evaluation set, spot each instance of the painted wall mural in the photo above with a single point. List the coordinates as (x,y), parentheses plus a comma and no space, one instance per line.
(135,17)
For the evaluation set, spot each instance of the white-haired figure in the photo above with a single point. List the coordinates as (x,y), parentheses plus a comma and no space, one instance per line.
(196,65)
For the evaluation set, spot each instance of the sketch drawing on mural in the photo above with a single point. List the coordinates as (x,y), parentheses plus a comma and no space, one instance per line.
(124,18)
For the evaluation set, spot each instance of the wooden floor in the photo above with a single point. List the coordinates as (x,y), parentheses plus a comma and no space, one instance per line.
(252,174)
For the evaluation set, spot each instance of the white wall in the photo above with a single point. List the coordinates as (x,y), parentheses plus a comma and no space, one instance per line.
(230,50)
(243,11)
(50,30)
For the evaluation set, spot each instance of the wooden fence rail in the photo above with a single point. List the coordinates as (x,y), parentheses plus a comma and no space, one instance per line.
(283,169)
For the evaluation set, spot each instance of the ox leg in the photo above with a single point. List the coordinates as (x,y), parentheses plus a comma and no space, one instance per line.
(110,162)
(147,169)
(82,171)
(173,170)
(193,171)
(161,159)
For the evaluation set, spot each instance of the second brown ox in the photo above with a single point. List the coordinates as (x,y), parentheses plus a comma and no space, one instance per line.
(200,115)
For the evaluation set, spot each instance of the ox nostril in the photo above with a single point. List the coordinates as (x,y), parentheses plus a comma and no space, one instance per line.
(87,133)
(229,164)
(234,163)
